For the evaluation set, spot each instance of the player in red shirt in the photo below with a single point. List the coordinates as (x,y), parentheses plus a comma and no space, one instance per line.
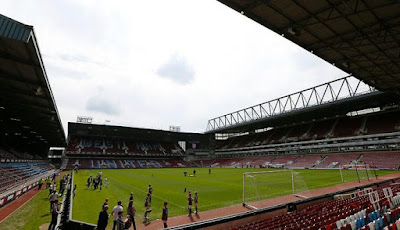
(190,202)
(164,216)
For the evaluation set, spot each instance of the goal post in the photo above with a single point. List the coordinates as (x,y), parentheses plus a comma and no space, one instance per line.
(268,184)
(358,172)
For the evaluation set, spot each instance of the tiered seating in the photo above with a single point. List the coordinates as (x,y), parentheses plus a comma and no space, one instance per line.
(383,160)
(12,174)
(102,146)
(6,155)
(298,133)
(382,123)
(320,130)
(278,135)
(262,161)
(347,127)
(284,159)
(126,163)
(340,159)
(306,161)
(346,214)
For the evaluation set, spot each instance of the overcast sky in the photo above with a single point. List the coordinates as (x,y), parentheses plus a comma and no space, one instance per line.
(157,63)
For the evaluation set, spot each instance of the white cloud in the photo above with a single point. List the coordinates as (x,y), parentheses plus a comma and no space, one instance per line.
(112,53)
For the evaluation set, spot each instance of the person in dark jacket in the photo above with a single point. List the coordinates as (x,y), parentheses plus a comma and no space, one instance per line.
(103,218)
(164,216)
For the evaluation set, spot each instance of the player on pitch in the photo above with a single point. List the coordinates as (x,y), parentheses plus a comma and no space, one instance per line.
(190,202)
(196,200)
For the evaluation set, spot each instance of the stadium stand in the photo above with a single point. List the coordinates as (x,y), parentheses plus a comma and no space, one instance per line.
(16,173)
(349,213)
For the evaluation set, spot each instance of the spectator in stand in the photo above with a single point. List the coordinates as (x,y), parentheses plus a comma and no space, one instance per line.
(105,203)
(131,212)
(115,213)
(164,216)
(54,215)
(102,222)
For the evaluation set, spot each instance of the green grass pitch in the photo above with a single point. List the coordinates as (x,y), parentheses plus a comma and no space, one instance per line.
(221,188)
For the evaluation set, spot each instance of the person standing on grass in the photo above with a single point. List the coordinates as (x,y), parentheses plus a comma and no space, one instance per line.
(131,212)
(115,213)
(102,222)
(150,192)
(89,181)
(54,215)
(164,216)
(120,221)
(48,182)
(190,202)
(127,222)
(40,183)
(74,190)
(196,200)
(147,207)
(105,202)
(131,197)
(52,198)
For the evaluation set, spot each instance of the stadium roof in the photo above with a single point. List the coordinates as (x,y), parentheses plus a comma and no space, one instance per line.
(25,93)
(98,130)
(359,37)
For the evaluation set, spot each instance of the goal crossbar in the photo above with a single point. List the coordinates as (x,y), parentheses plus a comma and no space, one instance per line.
(264,172)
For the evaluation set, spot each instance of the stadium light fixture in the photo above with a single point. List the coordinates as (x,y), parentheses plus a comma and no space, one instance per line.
(345,64)
(39,91)
(1,107)
(293,31)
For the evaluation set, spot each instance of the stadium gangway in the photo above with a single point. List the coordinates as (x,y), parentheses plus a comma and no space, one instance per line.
(332,91)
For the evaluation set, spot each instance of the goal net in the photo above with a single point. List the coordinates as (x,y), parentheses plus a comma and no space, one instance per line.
(358,172)
(269,184)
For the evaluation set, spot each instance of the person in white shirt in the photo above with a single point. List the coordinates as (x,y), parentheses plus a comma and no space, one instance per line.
(52,198)
(117,209)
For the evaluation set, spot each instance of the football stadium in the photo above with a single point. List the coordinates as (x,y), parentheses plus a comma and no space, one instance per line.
(325,157)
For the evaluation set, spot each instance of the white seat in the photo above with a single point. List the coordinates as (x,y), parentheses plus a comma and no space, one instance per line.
(371,225)
(339,224)
(353,225)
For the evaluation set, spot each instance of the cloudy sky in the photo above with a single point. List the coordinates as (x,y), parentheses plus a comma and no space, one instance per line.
(157,63)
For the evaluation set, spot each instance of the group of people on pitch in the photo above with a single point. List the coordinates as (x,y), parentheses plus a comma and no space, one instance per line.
(96,182)
(120,223)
